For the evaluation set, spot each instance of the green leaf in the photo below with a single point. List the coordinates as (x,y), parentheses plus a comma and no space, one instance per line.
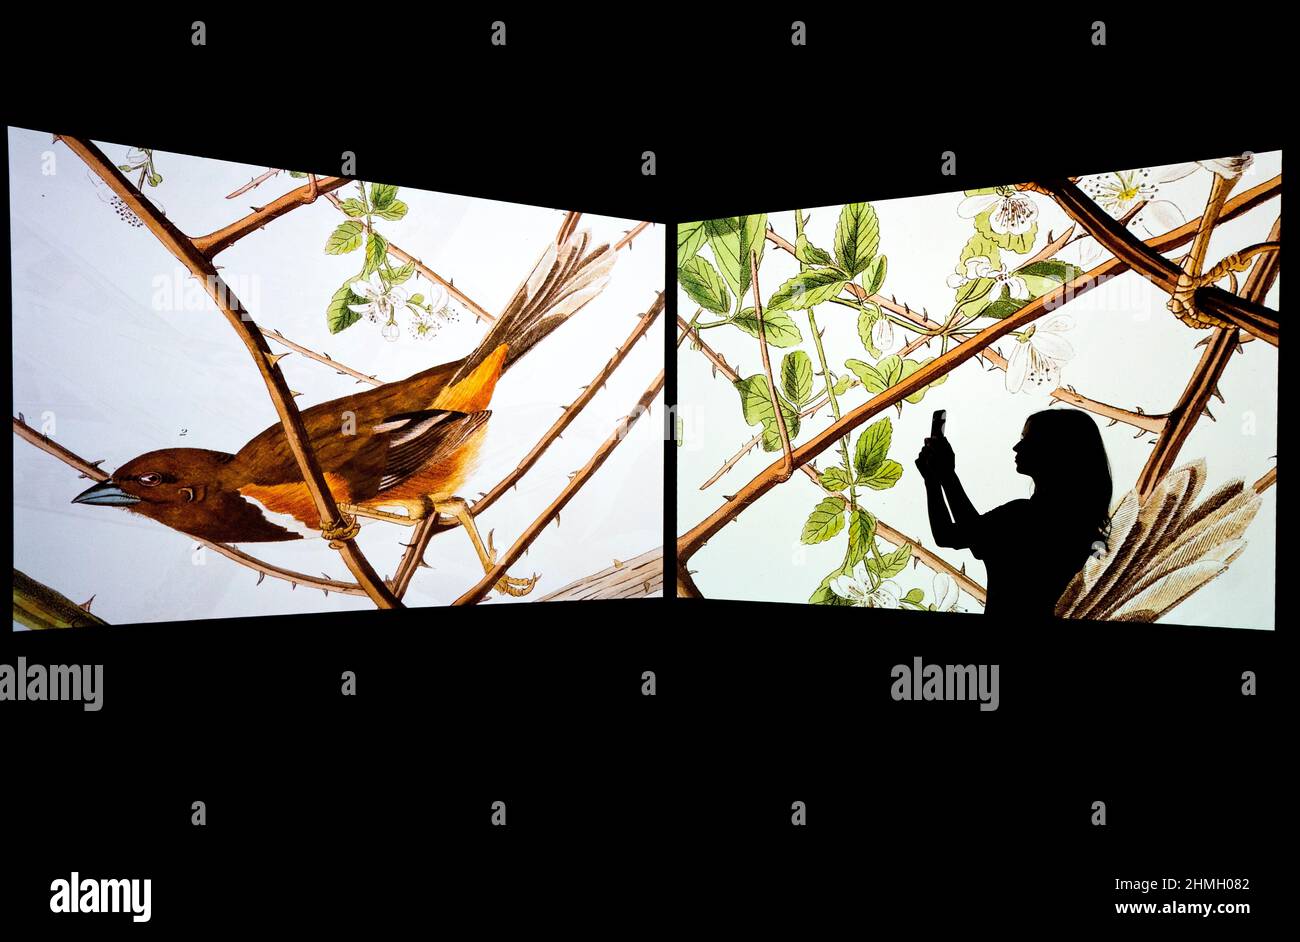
(704,285)
(346,238)
(797,377)
(297,174)
(807,289)
(857,237)
(756,402)
(873,276)
(394,210)
(1052,268)
(732,238)
(155,179)
(895,562)
(883,476)
(779,327)
(400,274)
(809,254)
(381,195)
(353,207)
(842,385)
(1003,307)
(868,375)
(915,596)
(416,299)
(376,251)
(862,531)
(979,244)
(690,236)
(834,478)
(772,434)
(868,314)
(873,447)
(826,520)
(338,315)
(125,168)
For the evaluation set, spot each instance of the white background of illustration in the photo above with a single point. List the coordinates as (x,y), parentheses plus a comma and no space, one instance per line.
(1129,351)
(123,378)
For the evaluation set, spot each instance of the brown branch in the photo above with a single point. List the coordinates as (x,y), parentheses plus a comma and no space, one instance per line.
(630,235)
(719,363)
(1265,482)
(37,606)
(690,542)
(91,470)
(575,484)
(779,417)
(254,183)
(324,358)
(295,432)
(215,242)
(633,579)
(1204,382)
(1138,256)
(431,526)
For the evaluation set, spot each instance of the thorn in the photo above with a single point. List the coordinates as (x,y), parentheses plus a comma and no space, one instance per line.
(557,520)
(293,585)
(1111,422)
(1140,433)
(294,394)
(86,604)
(1202,342)
(1218,395)
(1206,411)
(275,358)
(1240,348)
(423,565)
(728,497)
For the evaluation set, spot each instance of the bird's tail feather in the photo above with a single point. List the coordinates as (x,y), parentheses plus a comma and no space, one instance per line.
(565,278)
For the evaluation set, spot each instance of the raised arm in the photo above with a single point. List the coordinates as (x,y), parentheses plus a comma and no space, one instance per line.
(951,520)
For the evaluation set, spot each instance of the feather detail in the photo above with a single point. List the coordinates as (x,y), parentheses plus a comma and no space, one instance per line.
(1163,549)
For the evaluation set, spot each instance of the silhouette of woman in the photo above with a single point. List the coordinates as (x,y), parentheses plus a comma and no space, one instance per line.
(1031,548)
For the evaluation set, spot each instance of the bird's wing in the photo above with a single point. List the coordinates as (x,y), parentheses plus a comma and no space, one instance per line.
(413,440)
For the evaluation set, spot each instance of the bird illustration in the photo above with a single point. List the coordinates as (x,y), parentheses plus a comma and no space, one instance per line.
(1162,550)
(404,446)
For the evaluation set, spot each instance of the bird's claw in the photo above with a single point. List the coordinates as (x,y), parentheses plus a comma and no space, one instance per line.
(340,530)
(517,587)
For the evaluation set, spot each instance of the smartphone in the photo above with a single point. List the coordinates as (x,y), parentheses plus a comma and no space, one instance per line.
(937,423)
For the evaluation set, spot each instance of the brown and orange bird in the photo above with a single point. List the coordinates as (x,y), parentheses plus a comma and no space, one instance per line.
(407,445)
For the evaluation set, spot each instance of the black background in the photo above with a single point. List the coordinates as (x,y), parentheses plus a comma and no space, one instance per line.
(325,811)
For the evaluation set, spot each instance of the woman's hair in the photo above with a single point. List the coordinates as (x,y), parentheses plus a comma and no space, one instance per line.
(1079,475)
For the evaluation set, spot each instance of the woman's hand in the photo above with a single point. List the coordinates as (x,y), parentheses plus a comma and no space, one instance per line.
(936,460)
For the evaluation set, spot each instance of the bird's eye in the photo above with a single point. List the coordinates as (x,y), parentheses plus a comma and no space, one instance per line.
(150,480)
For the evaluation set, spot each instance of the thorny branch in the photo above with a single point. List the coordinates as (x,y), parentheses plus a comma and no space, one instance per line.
(199,265)
(690,542)
(1204,383)
(788,467)
(575,484)
(214,242)
(91,471)
(1211,299)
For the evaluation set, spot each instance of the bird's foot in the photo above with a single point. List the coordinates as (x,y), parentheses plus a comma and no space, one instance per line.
(517,587)
(340,530)
(509,585)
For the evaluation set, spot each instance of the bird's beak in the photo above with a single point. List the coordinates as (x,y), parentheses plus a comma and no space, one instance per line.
(105,494)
